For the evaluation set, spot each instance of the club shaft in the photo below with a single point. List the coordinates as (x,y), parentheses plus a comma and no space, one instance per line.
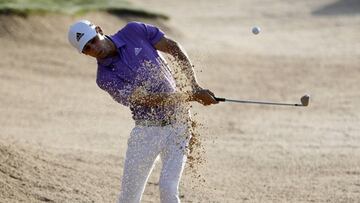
(257,102)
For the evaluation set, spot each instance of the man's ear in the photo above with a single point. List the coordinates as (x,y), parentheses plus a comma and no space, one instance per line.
(99,30)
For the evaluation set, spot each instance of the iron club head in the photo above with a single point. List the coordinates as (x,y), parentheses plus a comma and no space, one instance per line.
(305,100)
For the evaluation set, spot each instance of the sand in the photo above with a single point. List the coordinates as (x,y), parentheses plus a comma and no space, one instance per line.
(63,139)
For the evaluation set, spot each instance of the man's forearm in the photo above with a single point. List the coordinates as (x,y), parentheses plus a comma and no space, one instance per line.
(186,67)
(173,48)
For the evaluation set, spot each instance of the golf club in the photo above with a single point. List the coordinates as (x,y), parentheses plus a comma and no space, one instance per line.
(304,101)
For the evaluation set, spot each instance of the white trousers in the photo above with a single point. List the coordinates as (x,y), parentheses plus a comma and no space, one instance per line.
(144,145)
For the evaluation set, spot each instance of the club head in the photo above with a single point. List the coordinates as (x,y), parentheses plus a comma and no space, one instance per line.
(305,100)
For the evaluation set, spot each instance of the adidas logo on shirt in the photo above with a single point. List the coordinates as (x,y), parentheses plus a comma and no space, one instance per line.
(137,51)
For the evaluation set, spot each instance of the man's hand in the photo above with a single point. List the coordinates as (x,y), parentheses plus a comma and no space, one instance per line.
(204,96)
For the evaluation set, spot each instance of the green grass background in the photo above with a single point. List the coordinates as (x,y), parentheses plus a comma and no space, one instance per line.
(72,7)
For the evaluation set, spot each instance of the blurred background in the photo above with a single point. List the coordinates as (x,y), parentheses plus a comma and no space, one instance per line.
(62,139)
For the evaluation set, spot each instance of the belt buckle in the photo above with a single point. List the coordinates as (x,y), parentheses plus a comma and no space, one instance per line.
(164,123)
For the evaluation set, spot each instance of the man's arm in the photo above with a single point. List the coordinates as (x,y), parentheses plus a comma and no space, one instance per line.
(167,45)
(173,48)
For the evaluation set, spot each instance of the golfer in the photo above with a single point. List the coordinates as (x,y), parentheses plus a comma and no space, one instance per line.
(132,71)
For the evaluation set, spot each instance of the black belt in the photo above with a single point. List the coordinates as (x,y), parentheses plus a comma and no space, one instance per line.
(153,122)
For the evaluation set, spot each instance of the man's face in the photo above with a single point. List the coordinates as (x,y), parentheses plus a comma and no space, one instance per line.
(96,47)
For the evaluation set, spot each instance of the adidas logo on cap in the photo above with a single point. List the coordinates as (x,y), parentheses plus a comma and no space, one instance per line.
(79,36)
(80,33)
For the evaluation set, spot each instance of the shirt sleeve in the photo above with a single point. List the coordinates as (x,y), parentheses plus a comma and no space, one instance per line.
(147,31)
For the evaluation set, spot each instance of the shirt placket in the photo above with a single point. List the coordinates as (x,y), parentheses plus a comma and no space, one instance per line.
(122,61)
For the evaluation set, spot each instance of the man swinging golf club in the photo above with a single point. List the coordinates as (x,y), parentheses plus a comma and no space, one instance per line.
(131,70)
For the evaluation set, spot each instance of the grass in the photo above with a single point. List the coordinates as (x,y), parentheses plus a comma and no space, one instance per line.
(73,7)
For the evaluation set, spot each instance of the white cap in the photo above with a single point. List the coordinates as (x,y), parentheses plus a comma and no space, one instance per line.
(81,33)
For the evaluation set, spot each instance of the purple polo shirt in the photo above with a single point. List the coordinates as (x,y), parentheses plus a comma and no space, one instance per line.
(137,64)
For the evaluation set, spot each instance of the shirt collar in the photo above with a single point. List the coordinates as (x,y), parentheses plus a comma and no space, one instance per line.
(118,43)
